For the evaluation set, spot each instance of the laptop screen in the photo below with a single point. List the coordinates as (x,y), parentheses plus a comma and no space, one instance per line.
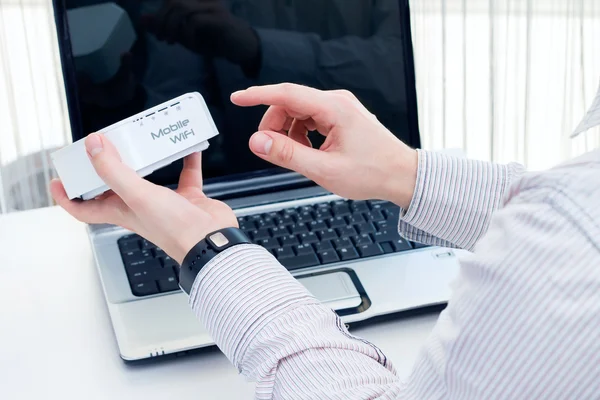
(124,56)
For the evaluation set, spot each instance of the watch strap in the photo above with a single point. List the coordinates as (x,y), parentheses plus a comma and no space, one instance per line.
(208,248)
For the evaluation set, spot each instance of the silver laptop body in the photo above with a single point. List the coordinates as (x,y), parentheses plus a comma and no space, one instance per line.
(163,324)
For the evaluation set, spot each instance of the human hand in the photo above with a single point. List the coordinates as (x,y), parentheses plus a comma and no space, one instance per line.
(206,27)
(360,159)
(174,220)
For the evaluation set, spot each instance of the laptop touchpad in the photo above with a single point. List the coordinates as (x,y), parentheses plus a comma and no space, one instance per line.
(335,289)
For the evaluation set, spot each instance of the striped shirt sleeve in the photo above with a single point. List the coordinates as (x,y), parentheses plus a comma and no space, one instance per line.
(270,327)
(522,323)
(454,199)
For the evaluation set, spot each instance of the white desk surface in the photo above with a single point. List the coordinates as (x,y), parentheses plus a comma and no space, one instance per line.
(57,339)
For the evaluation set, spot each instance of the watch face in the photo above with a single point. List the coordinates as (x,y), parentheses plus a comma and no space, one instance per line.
(219,239)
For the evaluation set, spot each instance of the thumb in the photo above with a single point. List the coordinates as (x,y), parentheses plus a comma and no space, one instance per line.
(280,150)
(123,180)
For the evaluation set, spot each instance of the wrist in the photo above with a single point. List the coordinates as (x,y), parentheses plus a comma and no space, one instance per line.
(190,238)
(399,185)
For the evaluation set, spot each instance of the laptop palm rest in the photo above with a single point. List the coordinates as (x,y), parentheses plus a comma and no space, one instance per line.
(141,329)
(336,289)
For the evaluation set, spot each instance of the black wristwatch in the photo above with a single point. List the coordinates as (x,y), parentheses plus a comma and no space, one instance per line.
(206,250)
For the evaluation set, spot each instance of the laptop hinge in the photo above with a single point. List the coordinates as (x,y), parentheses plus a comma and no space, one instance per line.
(256,186)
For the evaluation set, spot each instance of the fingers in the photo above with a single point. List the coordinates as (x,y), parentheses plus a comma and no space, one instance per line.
(191,174)
(298,101)
(276,119)
(299,133)
(286,152)
(124,181)
(92,211)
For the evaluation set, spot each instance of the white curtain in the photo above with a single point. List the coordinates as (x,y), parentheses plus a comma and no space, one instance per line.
(32,103)
(507,80)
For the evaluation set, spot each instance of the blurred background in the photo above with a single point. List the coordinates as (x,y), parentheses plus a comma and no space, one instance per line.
(505,80)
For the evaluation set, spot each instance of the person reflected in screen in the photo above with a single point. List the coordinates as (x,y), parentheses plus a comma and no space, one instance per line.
(219,46)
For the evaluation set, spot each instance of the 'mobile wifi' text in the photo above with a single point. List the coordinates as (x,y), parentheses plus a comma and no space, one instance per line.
(171,129)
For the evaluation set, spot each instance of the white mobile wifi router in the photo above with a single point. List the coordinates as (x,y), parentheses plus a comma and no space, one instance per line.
(146,142)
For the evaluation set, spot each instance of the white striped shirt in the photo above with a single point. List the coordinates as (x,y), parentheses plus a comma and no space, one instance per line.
(523,321)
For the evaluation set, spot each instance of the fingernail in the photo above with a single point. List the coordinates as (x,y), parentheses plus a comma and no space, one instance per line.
(93,144)
(262,143)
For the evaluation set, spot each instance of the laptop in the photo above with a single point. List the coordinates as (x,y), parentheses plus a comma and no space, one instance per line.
(347,253)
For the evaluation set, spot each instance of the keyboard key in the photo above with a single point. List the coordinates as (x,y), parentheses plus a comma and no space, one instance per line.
(246,225)
(129,244)
(289,211)
(323,214)
(392,214)
(374,204)
(168,285)
(340,208)
(346,231)
(387,247)
(317,225)
(360,206)
(328,256)
(144,288)
(342,243)
(384,226)
(348,253)
(141,275)
(269,243)
(376,215)
(305,208)
(283,252)
(133,256)
(386,236)
(297,229)
(301,261)
(377,207)
(284,220)
(145,263)
(304,217)
(337,222)
(370,250)
(158,252)
(279,231)
(322,206)
(260,234)
(365,227)
(272,214)
(289,240)
(327,234)
(356,218)
(308,238)
(303,249)
(147,245)
(401,245)
(324,245)
(266,223)
(168,262)
(362,240)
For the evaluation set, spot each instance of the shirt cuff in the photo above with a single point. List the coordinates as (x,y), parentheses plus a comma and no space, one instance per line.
(454,199)
(239,292)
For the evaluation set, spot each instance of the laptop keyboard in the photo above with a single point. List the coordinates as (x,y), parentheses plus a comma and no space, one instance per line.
(298,237)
